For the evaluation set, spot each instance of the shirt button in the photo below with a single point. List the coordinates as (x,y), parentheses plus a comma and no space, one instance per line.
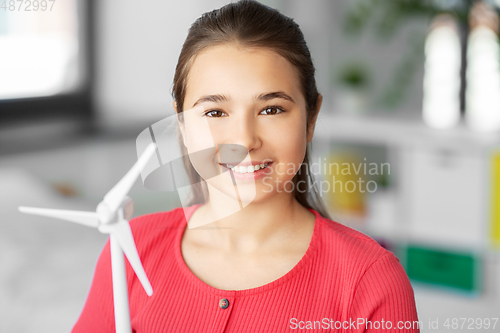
(223,303)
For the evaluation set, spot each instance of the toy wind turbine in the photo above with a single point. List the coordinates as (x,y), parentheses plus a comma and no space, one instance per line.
(111,217)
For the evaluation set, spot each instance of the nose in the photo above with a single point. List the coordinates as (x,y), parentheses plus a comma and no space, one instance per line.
(245,132)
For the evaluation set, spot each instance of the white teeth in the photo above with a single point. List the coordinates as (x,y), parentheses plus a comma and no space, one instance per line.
(240,169)
(250,168)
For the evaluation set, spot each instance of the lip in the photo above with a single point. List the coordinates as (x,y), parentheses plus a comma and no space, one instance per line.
(250,175)
(254,163)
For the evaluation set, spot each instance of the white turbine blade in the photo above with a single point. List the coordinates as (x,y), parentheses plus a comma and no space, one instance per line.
(90,219)
(115,196)
(123,234)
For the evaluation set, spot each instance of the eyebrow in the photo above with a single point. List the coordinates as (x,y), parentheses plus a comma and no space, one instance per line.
(262,97)
(211,98)
(273,95)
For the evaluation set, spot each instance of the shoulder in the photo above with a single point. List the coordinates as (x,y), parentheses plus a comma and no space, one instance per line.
(349,244)
(347,251)
(162,225)
(372,277)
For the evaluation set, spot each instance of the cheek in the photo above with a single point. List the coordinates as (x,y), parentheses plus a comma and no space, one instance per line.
(198,134)
(290,146)
(200,148)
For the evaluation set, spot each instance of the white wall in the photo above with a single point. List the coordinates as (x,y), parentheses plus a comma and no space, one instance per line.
(138,44)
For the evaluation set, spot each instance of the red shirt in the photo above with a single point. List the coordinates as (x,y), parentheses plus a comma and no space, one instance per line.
(345,282)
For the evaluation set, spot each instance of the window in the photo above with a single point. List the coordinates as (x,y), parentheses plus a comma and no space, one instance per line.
(45,63)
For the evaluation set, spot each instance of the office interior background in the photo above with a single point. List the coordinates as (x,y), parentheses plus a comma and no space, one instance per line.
(410,86)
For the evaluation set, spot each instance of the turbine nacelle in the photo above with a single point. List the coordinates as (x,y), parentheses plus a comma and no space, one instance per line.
(107,216)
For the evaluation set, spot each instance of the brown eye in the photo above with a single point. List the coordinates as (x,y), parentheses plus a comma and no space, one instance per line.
(214,113)
(272,110)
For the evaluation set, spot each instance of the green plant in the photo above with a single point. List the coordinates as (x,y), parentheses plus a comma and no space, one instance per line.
(385,17)
(354,75)
(388,15)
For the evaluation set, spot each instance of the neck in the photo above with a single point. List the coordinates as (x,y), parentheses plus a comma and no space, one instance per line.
(257,226)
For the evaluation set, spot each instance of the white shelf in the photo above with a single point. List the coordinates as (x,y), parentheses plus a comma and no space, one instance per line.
(400,131)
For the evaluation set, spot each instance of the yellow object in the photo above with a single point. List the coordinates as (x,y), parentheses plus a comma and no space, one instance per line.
(346,184)
(495,199)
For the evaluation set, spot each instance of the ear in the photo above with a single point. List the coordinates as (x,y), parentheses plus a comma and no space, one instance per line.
(180,124)
(312,124)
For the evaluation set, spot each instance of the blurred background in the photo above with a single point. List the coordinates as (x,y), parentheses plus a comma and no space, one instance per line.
(411,110)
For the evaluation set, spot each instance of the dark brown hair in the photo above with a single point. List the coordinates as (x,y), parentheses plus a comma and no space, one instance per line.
(252,24)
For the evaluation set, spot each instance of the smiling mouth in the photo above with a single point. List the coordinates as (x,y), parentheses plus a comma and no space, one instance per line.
(246,169)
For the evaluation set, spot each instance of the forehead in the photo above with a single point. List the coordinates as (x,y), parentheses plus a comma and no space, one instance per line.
(241,72)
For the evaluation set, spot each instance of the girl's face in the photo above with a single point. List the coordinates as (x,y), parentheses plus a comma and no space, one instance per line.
(251,100)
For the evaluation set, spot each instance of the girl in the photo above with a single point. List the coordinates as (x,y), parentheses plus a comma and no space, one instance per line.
(276,263)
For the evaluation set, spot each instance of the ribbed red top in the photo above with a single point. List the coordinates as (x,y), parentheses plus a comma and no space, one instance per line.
(345,282)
